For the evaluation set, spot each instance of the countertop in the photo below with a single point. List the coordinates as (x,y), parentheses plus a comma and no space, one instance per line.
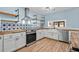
(69,29)
(12,31)
(65,29)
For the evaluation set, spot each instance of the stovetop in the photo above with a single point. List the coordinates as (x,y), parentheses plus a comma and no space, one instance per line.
(30,31)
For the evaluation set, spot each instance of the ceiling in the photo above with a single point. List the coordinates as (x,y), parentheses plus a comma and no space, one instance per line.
(43,11)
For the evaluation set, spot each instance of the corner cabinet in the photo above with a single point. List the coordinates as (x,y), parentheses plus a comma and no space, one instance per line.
(53,34)
(1,43)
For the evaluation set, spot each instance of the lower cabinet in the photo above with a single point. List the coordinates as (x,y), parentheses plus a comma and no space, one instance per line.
(47,33)
(1,43)
(23,38)
(9,43)
(20,40)
(14,41)
(39,35)
(53,34)
(63,35)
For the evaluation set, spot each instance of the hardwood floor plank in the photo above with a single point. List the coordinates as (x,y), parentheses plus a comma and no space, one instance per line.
(47,45)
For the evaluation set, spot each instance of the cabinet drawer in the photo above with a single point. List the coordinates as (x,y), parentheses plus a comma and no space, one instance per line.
(9,36)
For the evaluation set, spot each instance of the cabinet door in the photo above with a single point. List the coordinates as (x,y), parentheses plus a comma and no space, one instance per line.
(49,35)
(1,44)
(38,35)
(9,43)
(60,35)
(20,40)
(55,36)
(63,35)
(17,41)
(23,38)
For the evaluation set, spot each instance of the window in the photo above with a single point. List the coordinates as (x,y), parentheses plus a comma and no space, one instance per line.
(56,24)
(59,24)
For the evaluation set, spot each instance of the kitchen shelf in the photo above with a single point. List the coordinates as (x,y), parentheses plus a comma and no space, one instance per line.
(7,21)
(6,13)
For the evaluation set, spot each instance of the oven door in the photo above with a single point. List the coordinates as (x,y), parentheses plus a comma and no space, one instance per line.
(30,38)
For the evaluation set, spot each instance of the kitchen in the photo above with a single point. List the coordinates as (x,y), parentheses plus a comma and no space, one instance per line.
(39,29)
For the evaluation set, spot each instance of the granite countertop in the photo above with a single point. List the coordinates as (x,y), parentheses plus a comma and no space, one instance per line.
(10,32)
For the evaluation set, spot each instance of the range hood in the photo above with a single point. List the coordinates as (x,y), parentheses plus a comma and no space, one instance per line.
(26,17)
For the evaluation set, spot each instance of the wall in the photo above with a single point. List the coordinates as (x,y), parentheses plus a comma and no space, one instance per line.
(71,15)
(11,25)
(17,25)
(11,10)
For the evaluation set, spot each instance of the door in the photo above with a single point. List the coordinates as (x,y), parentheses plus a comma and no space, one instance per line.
(9,42)
(1,44)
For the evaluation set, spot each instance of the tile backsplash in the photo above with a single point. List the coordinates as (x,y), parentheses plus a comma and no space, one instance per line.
(5,26)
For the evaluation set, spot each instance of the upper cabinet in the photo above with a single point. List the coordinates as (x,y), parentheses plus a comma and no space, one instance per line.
(7,13)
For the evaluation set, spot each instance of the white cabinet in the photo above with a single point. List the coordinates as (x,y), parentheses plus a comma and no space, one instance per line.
(23,38)
(63,36)
(9,43)
(38,35)
(1,43)
(20,40)
(14,41)
(53,34)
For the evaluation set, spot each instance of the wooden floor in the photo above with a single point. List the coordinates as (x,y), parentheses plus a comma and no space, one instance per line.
(47,45)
